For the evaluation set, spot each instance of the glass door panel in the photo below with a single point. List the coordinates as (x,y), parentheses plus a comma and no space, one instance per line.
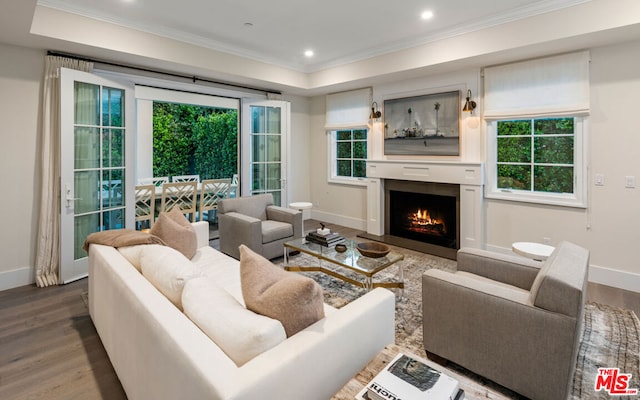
(94,182)
(266,151)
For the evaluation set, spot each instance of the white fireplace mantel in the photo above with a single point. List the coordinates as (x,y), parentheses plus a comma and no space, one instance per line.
(469,176)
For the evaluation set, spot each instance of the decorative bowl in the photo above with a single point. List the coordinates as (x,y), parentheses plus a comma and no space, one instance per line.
(341,248)
(373,249)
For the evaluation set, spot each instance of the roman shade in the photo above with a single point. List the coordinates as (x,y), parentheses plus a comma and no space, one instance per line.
(348,109)
(557,85)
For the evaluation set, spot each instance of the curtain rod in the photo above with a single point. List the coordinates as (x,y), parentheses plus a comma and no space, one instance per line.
(193,78)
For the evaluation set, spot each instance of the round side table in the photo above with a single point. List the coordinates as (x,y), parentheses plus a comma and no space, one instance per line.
(535,251)
(301,206)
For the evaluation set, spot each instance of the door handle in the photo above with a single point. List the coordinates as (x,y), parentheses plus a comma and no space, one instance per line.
(69,197)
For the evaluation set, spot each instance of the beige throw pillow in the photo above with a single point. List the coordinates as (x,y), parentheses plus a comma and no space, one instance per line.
(176,231)
(294,300)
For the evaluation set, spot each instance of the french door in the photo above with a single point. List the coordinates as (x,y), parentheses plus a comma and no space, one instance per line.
(96,150)
(267,149)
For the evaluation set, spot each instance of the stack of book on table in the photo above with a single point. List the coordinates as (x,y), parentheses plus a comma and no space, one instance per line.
(328,240)
(409,379)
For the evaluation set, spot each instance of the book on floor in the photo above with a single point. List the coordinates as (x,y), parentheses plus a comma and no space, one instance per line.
(407,379)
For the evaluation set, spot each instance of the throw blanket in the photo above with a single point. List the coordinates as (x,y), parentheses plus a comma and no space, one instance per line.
(121,238)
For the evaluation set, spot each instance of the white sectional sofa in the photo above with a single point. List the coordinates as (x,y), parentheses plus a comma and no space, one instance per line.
(159,353)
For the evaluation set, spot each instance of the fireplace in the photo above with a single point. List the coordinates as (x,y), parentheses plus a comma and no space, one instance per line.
(462,180)
(423,216)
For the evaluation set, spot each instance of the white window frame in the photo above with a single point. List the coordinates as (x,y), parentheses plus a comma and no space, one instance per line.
(576,199)
(332,164)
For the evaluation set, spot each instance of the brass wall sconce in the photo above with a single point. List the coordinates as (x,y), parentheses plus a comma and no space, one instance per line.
(375,113)
(469,105)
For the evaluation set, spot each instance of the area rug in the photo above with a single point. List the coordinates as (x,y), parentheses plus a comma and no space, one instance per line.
(609,339)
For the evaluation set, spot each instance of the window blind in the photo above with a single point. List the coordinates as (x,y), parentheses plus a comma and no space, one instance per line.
(346,110)
(557,85)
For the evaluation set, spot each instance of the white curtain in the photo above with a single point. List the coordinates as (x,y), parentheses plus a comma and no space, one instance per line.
(348,109)
(48,239)
(557,85)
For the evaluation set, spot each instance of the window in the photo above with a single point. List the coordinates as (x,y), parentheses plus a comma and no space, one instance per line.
(346,124)
(537,113)
(537,159)
(348,150)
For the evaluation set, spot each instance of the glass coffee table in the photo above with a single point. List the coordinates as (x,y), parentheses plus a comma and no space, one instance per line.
(351,260)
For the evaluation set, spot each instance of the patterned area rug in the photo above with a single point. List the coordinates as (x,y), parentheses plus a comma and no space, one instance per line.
(610,337)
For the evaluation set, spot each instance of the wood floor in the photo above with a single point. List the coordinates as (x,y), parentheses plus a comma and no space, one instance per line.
(49,348)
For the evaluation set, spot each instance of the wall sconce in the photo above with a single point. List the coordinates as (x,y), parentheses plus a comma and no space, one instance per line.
(375,113)
(469,105)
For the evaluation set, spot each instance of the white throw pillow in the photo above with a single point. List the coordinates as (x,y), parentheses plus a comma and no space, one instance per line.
(240,333)
(168,270)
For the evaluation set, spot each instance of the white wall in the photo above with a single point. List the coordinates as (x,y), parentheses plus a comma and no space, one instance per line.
(610,227)
(21,73)
(299,184)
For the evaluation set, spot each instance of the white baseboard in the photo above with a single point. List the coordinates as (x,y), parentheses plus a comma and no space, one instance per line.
(331,218)
(16,278)
(597,274)
(615,278)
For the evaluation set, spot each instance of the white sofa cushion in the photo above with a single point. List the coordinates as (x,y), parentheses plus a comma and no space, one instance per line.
(167,269)
(240,333)
(224,269)
(133,254)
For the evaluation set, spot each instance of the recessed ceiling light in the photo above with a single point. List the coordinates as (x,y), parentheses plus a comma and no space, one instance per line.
(426,14)
(308,53)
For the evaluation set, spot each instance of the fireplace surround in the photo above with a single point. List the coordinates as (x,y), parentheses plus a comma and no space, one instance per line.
(462,179)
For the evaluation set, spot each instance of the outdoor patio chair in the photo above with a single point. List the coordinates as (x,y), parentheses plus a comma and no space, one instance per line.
(180,194)
(211,192)
(186,178)
(145,204)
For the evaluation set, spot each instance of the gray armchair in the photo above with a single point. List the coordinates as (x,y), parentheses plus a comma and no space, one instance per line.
(257,223)
(509,319)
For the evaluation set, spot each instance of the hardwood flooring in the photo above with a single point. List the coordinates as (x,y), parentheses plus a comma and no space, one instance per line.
(49,348)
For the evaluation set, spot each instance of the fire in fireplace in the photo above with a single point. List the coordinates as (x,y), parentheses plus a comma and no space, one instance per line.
(421,221)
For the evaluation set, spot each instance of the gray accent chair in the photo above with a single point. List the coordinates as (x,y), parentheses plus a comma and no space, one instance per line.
(514,321)
(257,223)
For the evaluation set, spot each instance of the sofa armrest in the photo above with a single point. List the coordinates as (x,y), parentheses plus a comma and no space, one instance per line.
(236,229)
(512,270)
(202,233)
(319,360)
(288,215)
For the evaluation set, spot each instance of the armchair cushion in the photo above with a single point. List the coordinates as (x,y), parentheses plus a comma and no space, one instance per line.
(296,301)
(510,269)
(275,230)
(254,206)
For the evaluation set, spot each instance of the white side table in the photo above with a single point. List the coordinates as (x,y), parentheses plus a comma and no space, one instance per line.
(301,205)
(535,251)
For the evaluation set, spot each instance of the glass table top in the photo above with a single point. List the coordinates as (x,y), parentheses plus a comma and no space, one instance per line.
(351,258)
